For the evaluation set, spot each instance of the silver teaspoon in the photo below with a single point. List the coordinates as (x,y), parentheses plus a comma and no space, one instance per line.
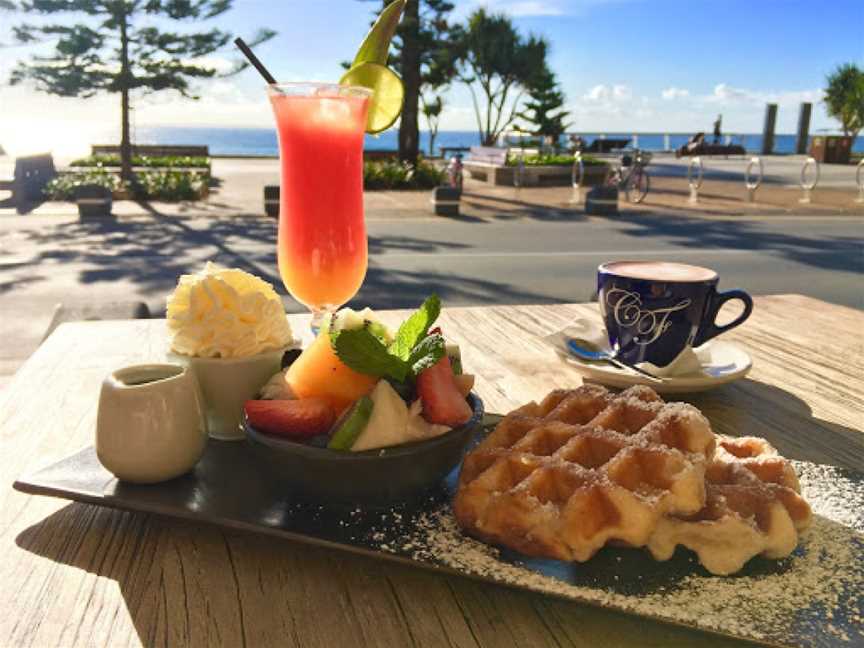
(588,351)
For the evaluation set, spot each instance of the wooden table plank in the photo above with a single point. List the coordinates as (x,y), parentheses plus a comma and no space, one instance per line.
(75,574)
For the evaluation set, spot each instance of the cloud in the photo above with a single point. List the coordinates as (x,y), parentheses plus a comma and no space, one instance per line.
(618,107)
(622,93)
(672,93)
(221,64)
(608,93)
(612,102)
(597,93)
(726,94)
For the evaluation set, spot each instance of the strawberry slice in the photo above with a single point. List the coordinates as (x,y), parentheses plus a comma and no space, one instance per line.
(295,419)
(442,402)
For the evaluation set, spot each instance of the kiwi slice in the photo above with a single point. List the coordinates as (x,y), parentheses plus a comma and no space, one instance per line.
(353,423)
(455,354)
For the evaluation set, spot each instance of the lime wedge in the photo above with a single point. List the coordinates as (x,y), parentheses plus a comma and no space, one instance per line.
(376,46)
(385,105)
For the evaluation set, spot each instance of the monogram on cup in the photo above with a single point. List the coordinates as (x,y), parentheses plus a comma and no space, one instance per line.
(647,324)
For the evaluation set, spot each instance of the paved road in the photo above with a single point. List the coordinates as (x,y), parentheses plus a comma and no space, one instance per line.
(550,258)
(529,262)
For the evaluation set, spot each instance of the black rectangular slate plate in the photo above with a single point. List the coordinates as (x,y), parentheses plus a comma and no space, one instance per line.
(798,601)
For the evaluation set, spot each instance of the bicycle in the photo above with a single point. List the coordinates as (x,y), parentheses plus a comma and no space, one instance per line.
(631,176)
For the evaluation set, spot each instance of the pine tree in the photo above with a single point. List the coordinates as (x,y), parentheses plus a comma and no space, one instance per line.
(116,49)
(544,107)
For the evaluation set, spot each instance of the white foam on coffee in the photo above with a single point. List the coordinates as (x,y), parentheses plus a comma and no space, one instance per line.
(659,271)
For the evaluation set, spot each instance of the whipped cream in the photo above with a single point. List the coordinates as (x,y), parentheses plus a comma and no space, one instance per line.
(226,313)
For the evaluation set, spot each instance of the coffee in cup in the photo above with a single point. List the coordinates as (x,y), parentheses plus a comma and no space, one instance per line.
(654,310)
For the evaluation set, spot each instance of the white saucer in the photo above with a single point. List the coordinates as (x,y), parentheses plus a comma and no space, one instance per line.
(720,362)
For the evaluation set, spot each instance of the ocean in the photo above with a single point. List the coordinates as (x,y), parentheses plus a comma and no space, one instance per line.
(262,141)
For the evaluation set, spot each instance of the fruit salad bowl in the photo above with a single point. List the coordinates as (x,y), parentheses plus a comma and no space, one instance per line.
(381,476)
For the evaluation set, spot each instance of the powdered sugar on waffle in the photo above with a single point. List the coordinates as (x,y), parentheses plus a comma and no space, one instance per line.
(816,598)
(610,466)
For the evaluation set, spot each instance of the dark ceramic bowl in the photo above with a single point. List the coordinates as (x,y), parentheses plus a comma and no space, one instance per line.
(378,476)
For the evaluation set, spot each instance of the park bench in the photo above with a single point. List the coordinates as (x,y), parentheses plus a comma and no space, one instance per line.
(158,150)
(31,175)
(710,149)
(455,149)
(153,150)
(380,154)
(487,163)
(606,145)
(488,155)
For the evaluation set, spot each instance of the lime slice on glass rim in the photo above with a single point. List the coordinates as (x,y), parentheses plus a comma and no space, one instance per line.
(388,93)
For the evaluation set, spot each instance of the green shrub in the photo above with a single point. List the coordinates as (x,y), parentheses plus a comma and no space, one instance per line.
(392,174)
(547,159)
(428,176)
(63,186)
(150,185)
(171,185)
(170,161)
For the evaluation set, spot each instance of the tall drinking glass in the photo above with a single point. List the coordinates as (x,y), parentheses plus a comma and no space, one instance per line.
(322,247)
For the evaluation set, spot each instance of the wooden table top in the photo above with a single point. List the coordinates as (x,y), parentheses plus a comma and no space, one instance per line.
(75,574)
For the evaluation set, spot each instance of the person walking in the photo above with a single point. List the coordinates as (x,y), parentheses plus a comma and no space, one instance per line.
(717,129)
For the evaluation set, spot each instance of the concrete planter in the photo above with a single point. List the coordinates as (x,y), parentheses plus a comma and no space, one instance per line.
(271,201)
(535,176)
(445,201)
(94,202)
(602,201)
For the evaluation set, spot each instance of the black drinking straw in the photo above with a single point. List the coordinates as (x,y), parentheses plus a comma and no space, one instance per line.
(258,65)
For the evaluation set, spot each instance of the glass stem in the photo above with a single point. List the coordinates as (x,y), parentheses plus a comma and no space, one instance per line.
(318,317)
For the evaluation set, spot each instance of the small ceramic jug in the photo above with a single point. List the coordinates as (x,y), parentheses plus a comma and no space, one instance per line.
(150,426)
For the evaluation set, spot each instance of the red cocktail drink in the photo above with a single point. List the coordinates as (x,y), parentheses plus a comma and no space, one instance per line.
(322,245)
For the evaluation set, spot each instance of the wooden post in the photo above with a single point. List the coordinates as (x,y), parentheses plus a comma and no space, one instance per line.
(768,130)
(803,128)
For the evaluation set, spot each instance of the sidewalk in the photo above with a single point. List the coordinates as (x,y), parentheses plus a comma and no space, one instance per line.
(240,183)
(729,198)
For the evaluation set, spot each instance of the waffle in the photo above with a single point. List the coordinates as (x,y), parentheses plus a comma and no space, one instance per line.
(583,468)
(752,507)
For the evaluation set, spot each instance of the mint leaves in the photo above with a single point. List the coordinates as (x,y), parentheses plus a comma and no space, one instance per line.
(412,350)
(363,352)
(415,327)
(429,351)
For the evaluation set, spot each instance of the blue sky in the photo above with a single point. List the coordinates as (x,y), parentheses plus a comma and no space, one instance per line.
(631,65)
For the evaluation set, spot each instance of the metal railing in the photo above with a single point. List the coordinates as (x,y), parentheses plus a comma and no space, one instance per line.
(697,183)
(753,184)
(806,186)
